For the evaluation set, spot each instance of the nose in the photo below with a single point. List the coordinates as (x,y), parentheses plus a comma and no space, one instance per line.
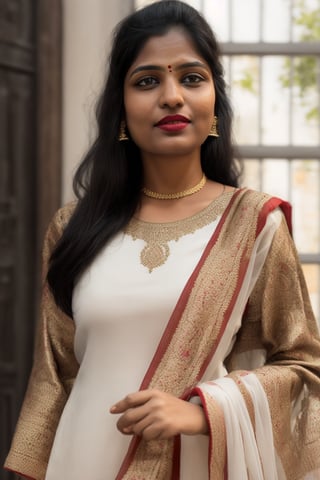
(171,94)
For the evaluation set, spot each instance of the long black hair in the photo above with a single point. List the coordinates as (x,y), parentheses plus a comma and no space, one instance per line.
(108,182)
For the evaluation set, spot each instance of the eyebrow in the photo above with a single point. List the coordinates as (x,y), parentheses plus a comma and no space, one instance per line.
(143,68)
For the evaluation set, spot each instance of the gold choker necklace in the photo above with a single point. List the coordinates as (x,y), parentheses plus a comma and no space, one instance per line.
(174,196)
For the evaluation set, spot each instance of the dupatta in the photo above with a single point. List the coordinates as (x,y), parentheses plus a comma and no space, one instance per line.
(250,416)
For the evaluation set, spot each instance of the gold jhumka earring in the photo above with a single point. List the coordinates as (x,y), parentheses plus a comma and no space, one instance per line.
(123,134)
(213,131)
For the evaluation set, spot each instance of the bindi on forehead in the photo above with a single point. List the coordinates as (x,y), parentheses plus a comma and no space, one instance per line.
(170,68)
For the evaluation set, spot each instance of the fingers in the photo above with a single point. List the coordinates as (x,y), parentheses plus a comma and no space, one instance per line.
(150,431)
(135,410)
(149,428)
(131,418)
(142,414)
(132,400)
(154,414)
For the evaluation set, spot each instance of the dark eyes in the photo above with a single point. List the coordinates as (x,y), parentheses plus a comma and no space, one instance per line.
(147,82)
(191,79)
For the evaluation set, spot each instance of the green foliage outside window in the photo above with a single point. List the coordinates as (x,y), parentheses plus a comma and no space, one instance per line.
(303,72)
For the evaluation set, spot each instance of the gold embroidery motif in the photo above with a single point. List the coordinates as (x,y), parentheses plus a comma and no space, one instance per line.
(157,235)
(153,255)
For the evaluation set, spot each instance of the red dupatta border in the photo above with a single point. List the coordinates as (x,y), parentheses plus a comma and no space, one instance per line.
(197,391)
(271,205)
(268,207)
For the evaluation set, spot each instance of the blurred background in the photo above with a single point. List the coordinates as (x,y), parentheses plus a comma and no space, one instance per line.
(53,61)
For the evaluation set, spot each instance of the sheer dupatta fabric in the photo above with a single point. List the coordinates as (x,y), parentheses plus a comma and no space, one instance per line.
(245,306)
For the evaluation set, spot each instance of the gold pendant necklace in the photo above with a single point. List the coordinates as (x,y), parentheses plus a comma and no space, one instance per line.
(174,196)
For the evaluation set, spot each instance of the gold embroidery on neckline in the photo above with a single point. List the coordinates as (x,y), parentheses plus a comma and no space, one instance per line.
(157,235)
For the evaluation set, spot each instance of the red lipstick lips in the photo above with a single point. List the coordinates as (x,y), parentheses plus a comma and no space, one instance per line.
(173,123)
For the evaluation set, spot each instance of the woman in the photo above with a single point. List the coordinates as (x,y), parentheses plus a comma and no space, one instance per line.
(176,327)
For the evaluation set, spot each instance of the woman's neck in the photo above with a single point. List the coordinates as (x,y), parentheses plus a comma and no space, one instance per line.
(171,175)
(153,210)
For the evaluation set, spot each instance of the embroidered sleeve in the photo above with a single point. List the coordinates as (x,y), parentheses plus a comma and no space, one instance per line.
(53,372)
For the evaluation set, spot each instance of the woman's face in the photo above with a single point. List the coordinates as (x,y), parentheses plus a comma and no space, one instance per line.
(169,96)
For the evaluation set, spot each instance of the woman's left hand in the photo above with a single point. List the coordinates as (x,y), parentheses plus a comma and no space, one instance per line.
(153,414)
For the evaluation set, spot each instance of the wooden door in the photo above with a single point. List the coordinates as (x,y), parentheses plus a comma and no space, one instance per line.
(29,124)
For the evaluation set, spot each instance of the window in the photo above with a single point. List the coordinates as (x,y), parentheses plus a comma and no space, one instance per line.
(271,54)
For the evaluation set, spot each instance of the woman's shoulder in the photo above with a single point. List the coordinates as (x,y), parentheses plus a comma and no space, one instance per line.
(264,205)
(64,213)
(59,221)
(259,199)
(253,196)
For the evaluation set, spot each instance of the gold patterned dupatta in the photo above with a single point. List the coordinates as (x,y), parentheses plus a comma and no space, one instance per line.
(201,319)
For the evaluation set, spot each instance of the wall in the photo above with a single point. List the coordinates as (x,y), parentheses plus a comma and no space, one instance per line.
(87,30)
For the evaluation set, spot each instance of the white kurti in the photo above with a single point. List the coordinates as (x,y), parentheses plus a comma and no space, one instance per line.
(120,311)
